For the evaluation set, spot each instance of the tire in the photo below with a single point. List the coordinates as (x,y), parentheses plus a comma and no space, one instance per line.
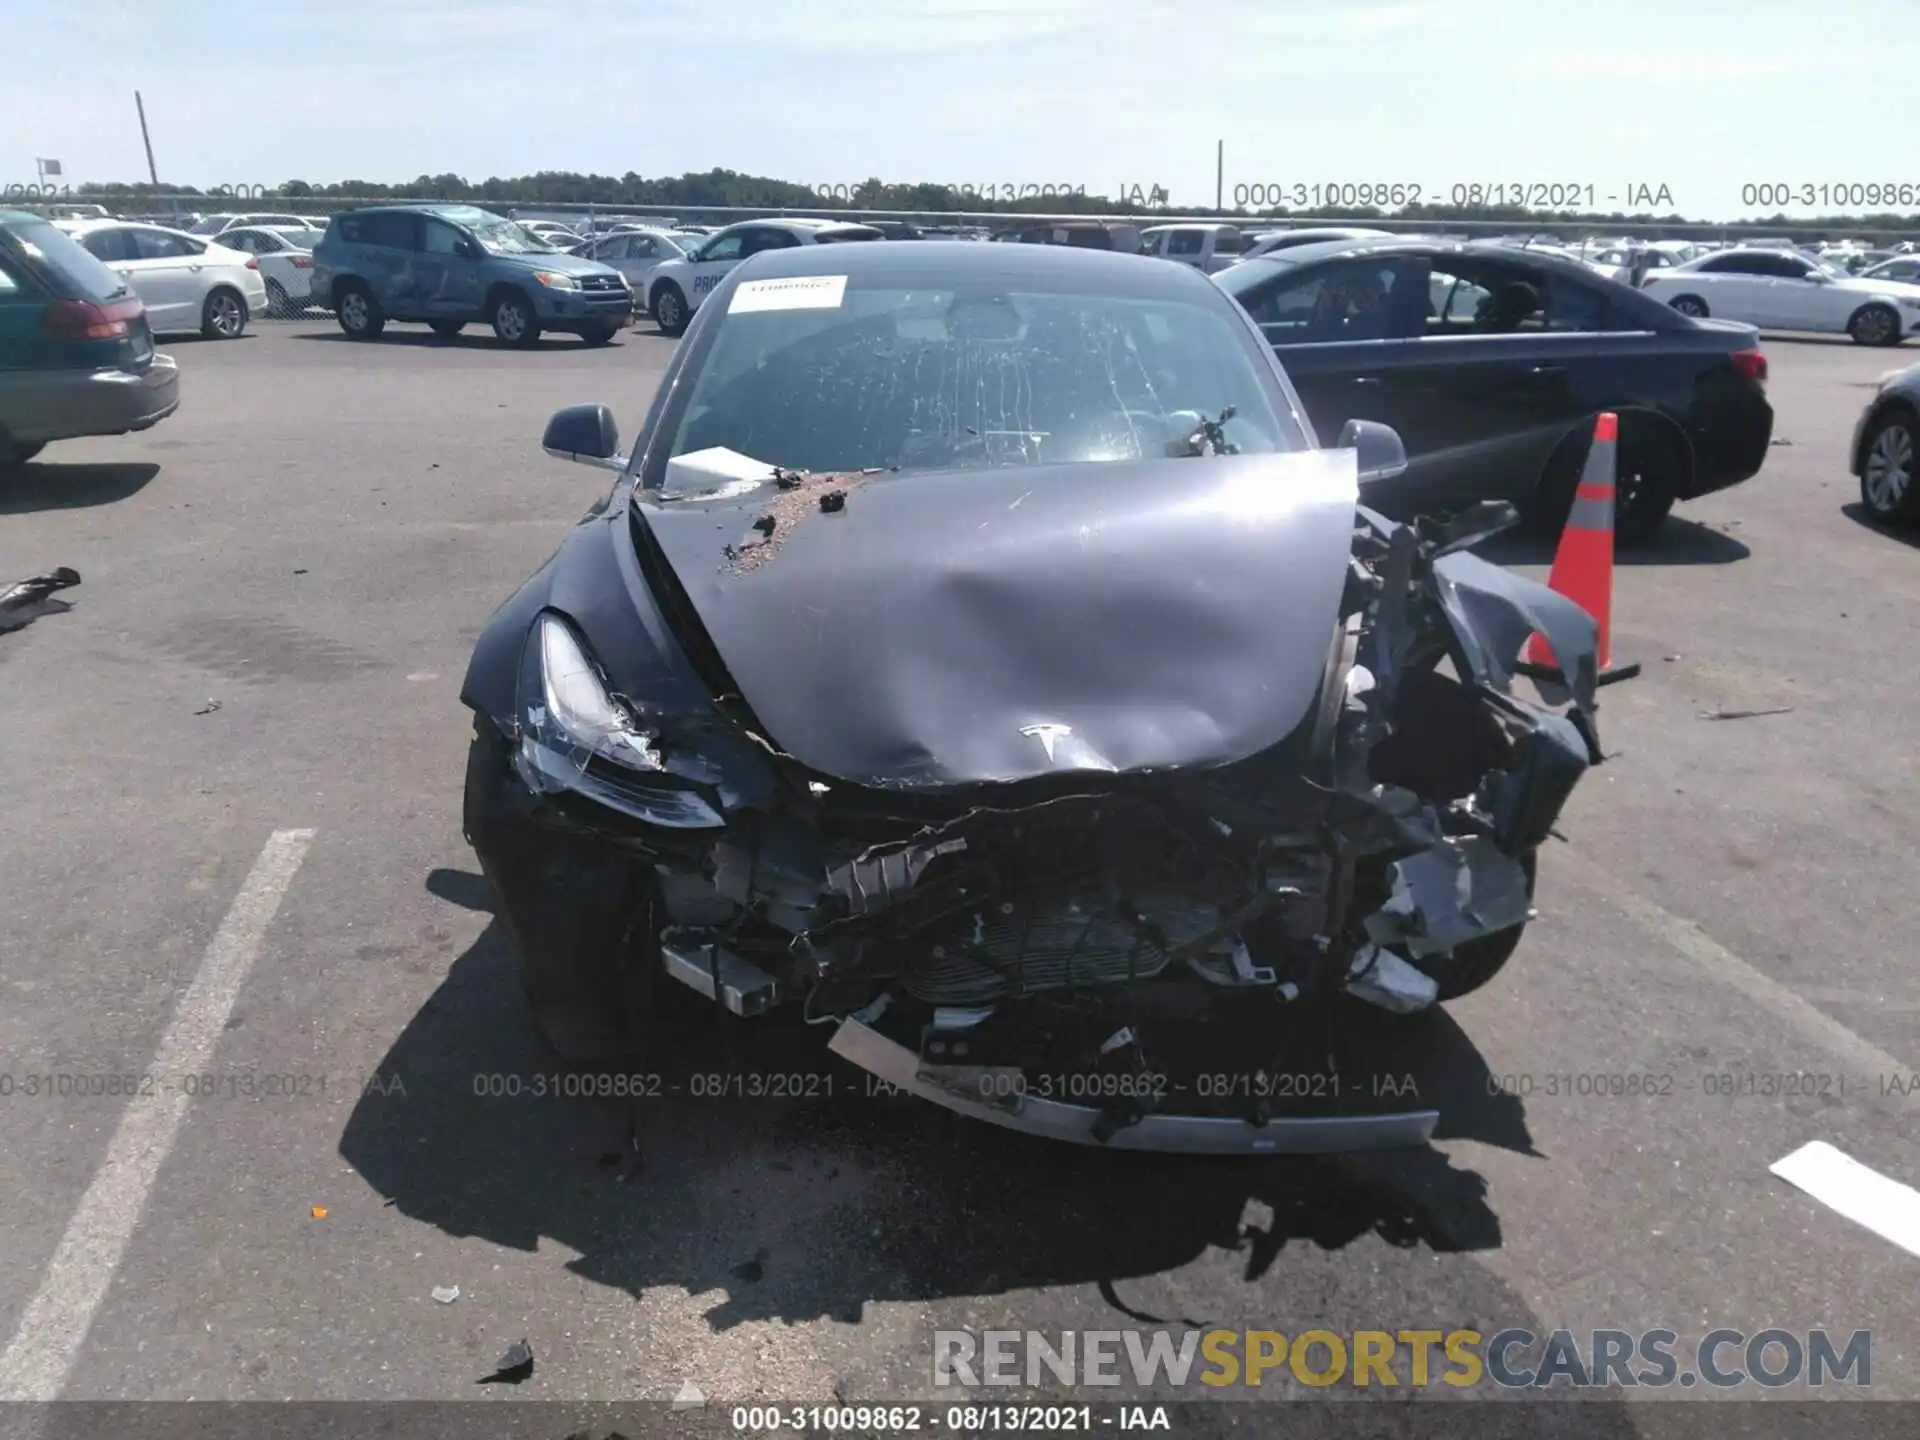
(1874,324)
(591,973)
(1648,470)
(1690,305)
(1889,459)
(224,315)
(602,336)
(279,304)
(358,314)
(12,454)
(446,329)
(1473,964)
(669,309)
(514,321)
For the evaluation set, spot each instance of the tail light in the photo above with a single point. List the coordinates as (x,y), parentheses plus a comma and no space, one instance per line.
(253,262)
(84,320)
(302,262)
(1752,364)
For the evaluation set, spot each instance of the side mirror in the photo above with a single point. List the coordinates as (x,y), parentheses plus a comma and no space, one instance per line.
(586,434)
(469,250)
(1382,454)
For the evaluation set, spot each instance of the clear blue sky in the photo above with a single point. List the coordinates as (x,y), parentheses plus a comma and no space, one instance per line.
(1701,96)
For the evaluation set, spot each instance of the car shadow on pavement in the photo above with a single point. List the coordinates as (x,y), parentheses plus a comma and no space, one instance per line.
(479,339)
(1863,517)
(1679,542)
(813,1208)
(51,485)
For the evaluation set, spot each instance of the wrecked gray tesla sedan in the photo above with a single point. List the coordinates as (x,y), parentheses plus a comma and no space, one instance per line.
(980,654)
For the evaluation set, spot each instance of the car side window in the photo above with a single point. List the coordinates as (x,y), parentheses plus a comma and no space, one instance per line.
(392,231)
(438,238)
(10,286)
(1734,265)
(1185,242)
(725,247)
(1342,301)
(1453,301)
(245,241)
(158,245)
(642,247)
(1573,306)
(1785,267)
(111,246)
(1229,242)
(617,248)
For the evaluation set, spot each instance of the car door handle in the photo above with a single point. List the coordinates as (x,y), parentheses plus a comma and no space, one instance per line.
(1545,371)
(1373,380)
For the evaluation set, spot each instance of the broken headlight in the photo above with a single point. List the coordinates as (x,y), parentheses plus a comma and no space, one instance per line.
(576,736)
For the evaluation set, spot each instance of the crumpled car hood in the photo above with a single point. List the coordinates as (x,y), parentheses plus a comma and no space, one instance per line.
(958,627)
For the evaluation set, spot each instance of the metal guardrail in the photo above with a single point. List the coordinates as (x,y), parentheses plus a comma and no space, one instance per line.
(535,209)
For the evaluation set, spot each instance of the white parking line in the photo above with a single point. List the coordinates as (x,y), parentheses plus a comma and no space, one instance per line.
(1865,1196)
(1867,1059)
(54,1326)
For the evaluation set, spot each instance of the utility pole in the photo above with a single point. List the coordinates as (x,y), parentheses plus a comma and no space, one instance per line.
(1220,175)
(146,139)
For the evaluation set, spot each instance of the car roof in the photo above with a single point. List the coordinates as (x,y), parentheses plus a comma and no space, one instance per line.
(1408,245)
(1012,265)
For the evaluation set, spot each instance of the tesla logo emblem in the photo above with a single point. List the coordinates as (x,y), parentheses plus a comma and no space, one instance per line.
(1046,735)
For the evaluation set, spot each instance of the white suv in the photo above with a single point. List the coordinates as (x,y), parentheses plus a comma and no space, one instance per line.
(676,288)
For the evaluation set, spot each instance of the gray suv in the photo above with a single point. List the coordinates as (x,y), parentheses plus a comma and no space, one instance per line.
(451,265)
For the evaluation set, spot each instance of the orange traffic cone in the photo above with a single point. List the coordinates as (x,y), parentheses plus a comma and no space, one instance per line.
(1583,565)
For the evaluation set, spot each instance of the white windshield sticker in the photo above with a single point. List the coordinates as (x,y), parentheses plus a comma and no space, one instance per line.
(804,292)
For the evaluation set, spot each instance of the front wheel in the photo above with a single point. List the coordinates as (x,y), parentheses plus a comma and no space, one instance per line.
(1887,470)
(1691,306)
(13,453)
(279,305)
(1874,325)
(670,309)
(1473,964)
(224,316)
(514,322)
(581,914)
(1648,471)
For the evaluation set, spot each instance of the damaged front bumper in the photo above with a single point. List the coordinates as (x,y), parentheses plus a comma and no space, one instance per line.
(1074,957)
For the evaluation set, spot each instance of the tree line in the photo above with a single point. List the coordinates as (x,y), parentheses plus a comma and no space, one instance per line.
(720,188)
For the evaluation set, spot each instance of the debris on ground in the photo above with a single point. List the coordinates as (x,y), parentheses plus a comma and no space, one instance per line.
(754,1270)
(446,1294)
(513,1367)
(27,600)
(319,1212)
(1780,440)
(689,1396)
(208,708)
(1744,714)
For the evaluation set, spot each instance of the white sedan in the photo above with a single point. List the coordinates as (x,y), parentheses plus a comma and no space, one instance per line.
(187,282)
(676,287)
(1782,290)
(286,260)
(635,252)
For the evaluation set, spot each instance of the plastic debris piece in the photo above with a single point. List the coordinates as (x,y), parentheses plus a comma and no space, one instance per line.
(208,708)
(1382,978)
(1744,714)
(25,602)
(446,1294)
(689,1396)
(319,1212)
(513,1367)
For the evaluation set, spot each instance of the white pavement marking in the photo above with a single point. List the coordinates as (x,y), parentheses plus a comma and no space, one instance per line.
(54,1326)
(1870,1062)
(1866,1197)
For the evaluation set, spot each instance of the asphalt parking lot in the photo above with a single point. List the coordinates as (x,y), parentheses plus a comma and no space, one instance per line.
(281,586)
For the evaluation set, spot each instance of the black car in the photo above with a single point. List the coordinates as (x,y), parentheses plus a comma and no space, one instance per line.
(979,655)
(1080,234)
(1885,452)
(1492,362)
